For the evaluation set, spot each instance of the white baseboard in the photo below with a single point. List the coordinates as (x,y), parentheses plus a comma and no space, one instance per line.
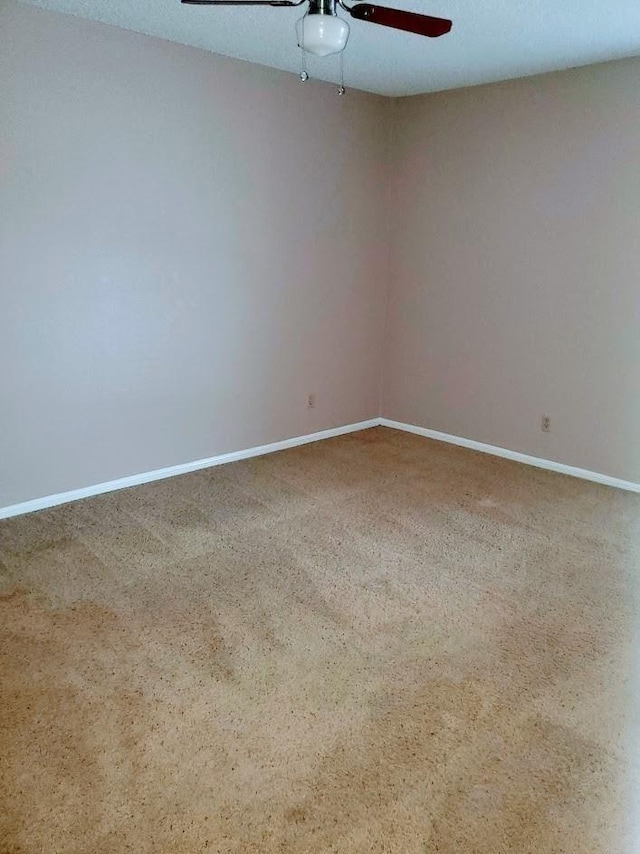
(183,468)
(550,465)
(221,459)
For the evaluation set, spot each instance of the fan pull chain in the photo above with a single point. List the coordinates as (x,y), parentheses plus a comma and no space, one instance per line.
(304,75)
(341,89)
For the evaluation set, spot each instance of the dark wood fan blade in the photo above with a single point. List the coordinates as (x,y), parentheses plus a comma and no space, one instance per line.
(242,2)
(422,25)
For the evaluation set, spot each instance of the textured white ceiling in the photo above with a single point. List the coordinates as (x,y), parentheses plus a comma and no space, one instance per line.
(491,39)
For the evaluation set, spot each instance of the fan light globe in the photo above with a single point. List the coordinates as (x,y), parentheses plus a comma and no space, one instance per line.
(322,34)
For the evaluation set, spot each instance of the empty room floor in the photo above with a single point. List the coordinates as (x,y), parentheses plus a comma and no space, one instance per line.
(376,643)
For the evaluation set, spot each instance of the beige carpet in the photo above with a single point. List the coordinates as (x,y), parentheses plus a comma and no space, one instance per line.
(372,644)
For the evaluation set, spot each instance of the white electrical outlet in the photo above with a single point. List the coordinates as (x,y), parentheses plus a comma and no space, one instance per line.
(545,423)
(311,401)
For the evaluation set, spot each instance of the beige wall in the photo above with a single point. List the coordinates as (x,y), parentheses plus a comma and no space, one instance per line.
(515,266)
(188,245)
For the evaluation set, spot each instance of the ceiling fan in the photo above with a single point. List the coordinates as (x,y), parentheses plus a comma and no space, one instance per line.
(321,32)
